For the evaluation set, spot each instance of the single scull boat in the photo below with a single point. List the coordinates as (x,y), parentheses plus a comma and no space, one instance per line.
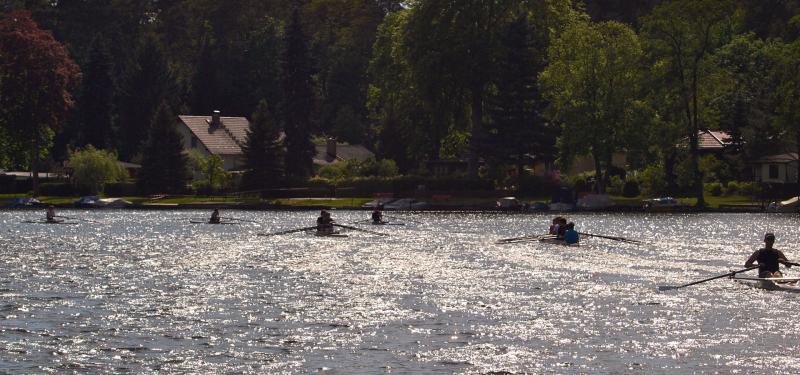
(786,284)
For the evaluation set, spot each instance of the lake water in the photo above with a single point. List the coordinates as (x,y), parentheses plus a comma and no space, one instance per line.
(146,291)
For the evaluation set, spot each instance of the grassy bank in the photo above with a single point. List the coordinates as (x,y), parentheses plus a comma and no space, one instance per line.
(342,203)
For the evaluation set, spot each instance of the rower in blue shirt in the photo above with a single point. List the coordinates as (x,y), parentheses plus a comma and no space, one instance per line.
(570,235)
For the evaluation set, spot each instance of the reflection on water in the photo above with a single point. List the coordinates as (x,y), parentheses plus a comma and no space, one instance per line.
(146,291)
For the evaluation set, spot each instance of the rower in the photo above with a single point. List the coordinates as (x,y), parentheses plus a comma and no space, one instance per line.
(570,235)
(51,214)
(324,223)
(215,219)
(768,259)
(377,215)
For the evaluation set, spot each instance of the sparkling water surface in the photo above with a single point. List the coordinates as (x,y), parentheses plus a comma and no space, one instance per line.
(146,291)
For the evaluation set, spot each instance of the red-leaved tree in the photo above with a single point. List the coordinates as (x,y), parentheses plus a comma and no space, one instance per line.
(36,77)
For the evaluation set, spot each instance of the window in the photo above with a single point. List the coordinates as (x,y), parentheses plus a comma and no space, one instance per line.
(773,172)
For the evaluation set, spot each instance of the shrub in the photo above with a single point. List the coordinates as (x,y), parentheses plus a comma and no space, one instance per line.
(615,185)
(93,168)
(750,189)
(652,181)
(631,189)
(714,188)
(732,188)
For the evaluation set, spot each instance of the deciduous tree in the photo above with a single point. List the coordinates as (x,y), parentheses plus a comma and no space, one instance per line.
(37,78)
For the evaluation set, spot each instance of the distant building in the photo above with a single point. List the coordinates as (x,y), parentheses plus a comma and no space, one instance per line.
(216,135)
(713,141)
(779,169)
(332,152)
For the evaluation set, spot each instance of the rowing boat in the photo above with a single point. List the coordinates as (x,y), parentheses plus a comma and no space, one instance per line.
(786,284)
(386,223)
(207,222)
(557,241)
(49,222)
(334,234)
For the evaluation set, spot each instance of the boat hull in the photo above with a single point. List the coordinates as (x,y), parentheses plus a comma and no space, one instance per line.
(557,241)
(791,285)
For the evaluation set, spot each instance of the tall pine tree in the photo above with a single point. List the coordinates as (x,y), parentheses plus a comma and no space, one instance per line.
(147,83)
(97,98)
(164,166)
(298,100)
(263,151)
(517,126)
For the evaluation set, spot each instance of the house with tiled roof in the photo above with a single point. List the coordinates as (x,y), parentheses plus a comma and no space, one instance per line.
(332,152)
(215,135)
(713,141)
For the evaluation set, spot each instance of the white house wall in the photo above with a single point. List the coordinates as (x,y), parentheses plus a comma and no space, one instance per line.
(787,173)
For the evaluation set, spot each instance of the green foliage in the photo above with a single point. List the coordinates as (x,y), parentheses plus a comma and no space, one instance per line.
(652,181)
(615,185)
(680,35)
(164,165)
(93,168)
(713,188)
(714,169)
(40,73)
(751,189)
(263,151)
(353,168)
(96,111)
(732,188)
(298,100)
(593,83)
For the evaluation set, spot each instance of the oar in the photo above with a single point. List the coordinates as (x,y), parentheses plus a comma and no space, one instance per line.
(77,218)
(400,218)
(671,287)
(287,231)
(523,238)
(234,218)
(359,229)
(611,238)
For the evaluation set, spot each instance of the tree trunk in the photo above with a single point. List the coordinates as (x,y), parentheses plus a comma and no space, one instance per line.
(698,176)
(598,175)
(35,165)
(669,172)
(477,131)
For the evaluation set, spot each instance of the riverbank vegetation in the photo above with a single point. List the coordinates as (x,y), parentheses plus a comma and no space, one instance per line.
(471,99)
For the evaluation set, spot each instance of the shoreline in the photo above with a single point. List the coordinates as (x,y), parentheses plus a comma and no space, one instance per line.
(431,208)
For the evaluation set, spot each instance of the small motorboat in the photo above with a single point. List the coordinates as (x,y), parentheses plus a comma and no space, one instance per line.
(786,284)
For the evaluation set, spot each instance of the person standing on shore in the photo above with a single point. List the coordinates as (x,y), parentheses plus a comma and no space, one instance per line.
(769,259)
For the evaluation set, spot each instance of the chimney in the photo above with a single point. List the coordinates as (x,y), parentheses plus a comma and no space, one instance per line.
(215,119)
(331,147)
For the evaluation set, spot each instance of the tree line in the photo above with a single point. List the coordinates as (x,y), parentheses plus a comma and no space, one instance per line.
(498,84)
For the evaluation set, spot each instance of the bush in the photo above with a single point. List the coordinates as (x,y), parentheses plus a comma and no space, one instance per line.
(750,189)
(579,183)
(353,168)
(631,189)
(652,181)
(713,188)
(59,189)
(93,168)
(615,185)
(732,188)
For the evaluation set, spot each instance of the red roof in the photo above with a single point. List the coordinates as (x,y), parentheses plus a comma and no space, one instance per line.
(713,140)
(226,139)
